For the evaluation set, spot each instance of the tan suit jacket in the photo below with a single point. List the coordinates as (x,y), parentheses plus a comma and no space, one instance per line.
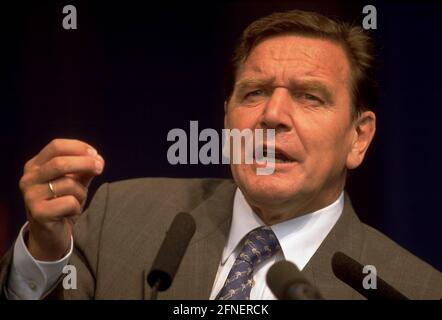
(118,236)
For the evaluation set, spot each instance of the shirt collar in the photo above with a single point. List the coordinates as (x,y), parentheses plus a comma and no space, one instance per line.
(299,237)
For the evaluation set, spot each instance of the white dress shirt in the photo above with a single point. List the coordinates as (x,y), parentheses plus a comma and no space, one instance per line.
(30,279)
(299,239)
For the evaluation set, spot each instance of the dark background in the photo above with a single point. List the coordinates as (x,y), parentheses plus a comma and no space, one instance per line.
(134,70)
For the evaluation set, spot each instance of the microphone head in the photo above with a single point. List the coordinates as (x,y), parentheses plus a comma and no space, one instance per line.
(288,283)
(351,273)
(172,251)
(348,270)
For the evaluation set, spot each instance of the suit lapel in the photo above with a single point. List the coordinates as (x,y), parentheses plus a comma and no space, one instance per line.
(197,271)
(196,274)
(346,236)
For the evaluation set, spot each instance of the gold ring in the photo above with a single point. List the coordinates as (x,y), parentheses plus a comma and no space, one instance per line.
(51,187)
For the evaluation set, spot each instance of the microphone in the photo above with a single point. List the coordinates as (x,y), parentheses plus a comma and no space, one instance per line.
(171,253)
(288,283)
(350,272)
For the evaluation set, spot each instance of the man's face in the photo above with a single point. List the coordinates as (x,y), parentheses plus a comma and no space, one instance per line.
(298,86)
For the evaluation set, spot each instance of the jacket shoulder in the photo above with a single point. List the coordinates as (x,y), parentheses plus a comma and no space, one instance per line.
(409,274)
(154,200)
(122,230)
(173,190)
(169,182)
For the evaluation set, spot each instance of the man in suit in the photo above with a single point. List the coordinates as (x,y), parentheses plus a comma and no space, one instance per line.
(305,76)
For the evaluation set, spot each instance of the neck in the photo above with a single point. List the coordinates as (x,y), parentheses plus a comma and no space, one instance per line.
(293,208)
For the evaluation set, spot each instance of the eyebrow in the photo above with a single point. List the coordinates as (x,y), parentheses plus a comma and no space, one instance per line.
(251,82)
(314,85)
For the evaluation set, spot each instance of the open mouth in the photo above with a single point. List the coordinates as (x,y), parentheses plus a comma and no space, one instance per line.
(276,156)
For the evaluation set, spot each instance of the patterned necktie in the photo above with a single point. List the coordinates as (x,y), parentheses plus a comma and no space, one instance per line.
(260,244)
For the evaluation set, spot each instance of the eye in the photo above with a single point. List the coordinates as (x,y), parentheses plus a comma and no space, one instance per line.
(311,97)
(254,93)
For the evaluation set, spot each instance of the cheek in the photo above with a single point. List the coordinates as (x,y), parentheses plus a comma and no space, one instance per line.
(325,142)
(242,118)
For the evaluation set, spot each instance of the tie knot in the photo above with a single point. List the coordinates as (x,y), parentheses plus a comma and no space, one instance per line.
(259,244)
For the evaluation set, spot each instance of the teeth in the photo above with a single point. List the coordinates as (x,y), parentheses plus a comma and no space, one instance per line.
(273,159)
(281,160)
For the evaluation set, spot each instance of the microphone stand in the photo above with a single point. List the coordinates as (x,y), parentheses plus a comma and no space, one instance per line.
(154,292)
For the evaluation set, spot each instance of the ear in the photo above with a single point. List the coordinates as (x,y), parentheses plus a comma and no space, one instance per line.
(364,128)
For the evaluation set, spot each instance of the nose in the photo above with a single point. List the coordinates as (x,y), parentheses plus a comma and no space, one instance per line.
(276,113)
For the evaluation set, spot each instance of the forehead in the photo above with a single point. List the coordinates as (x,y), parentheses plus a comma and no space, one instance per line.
(288,57)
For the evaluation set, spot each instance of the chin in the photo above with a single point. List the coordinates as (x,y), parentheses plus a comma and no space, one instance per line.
(269,190)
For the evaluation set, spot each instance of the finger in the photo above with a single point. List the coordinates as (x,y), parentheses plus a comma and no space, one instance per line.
(29,165)
(60,166)
(84,179)
(64,147)
(55,209)
(35,176)
(61,187)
